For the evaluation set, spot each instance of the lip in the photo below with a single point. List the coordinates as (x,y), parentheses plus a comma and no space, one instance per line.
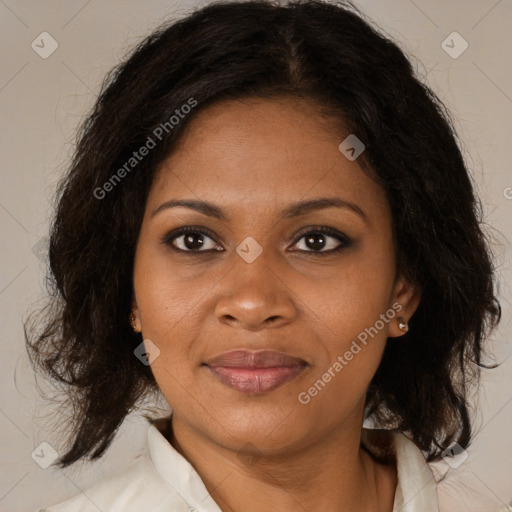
(242,358)
(255,372)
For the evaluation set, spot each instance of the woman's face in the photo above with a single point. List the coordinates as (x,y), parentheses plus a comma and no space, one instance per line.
(263,280)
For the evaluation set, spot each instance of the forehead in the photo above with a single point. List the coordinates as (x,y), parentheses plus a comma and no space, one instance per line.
(259,154)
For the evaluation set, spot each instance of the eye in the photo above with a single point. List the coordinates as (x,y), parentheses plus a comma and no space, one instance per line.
(190,239)
(317,240)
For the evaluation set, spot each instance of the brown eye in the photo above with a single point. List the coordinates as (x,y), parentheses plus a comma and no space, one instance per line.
(190,240)
(323,240)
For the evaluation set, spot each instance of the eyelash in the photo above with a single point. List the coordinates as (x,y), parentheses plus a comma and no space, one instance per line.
(318,230)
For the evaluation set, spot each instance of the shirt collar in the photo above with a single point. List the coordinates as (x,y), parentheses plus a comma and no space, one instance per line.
(416,489)
(176,470)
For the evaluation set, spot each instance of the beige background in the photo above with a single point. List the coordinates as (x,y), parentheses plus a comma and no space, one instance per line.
(43,100)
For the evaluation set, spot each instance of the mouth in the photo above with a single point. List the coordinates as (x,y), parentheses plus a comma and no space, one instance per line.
(255,372)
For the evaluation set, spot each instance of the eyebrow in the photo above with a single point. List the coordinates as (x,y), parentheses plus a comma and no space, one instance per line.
(291,211)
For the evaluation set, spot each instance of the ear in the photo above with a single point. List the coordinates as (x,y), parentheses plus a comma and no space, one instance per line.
(408,296)
(136,324)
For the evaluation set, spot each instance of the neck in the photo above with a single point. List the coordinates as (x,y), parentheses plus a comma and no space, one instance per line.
(335,473)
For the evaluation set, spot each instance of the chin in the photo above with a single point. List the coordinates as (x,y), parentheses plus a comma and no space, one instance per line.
(268,430)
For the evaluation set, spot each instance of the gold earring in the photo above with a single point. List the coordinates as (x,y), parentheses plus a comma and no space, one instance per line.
(133,322)
(402,324)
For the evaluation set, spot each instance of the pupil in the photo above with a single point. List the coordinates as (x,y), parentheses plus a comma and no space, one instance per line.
(313,244)
(190,245)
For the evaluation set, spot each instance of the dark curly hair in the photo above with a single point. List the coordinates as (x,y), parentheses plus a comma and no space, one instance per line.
(324,52)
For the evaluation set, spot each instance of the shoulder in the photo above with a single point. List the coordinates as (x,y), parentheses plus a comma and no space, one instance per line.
(459,488)
(435,486)
(138,487)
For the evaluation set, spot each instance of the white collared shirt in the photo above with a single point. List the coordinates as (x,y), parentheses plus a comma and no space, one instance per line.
(162,480)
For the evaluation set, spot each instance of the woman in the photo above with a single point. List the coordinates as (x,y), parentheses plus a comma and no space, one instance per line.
(268,220)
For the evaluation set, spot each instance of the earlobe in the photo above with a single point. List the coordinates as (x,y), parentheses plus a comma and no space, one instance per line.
(403,325)
(398,327)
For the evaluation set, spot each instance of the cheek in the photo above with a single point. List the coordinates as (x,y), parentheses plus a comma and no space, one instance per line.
(354,294)
(163,295)
(165,307)
(353,311)
(353,345)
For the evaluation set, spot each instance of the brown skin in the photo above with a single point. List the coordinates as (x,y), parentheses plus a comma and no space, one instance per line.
(269,451)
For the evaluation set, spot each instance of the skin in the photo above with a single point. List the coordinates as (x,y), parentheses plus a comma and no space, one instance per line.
(256,452)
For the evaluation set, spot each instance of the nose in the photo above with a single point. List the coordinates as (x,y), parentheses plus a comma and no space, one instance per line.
(255,296)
